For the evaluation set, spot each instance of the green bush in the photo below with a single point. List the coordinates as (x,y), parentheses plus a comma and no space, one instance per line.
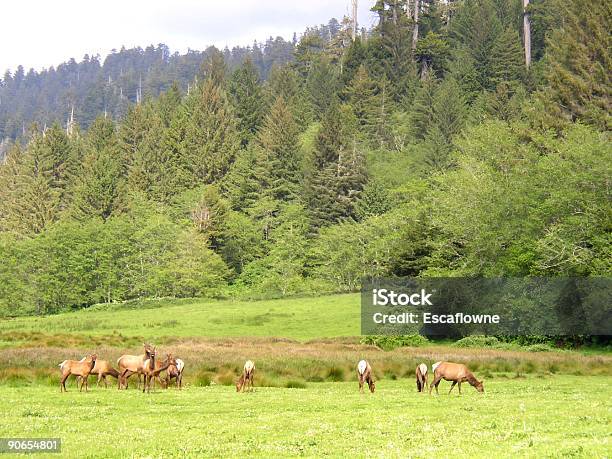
(388,343)
(477,341)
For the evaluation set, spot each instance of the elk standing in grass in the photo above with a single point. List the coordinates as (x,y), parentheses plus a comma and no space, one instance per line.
(364,373)
(102,368)
(421,377)
(246,380)
(152,368)
(175,372)
(455,372)
(130,364)
(78,368)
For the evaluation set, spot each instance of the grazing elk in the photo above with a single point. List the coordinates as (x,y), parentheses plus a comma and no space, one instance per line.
(421,377)
(130,364)
(364,373)
(455,372)
(175,372)
(246,380)
(78,368)
(152,368)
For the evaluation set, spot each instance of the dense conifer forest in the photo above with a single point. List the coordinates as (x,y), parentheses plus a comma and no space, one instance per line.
(427,147)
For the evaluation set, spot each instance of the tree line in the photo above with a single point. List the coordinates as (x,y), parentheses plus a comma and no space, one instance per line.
(373,156)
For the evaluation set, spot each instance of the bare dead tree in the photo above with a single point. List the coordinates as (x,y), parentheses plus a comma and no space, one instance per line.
(527,33)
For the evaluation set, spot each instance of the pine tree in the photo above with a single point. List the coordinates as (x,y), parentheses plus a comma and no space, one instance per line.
(214,68)
(422,114)
(336,173)
(211,139)
(449,109)
(247,100)
(280,152)
(364,96)
(506,58)
(322,85)
(578,73)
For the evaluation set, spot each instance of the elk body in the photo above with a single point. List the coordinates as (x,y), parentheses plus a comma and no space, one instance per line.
(364,374)
(246,380)
(102,368)
(130,364)
(421,377)
(175,372)
(455,372)
(78,368)
(152,368)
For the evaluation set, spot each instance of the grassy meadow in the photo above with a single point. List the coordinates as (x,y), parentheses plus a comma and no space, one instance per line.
(536,404)
(524,417)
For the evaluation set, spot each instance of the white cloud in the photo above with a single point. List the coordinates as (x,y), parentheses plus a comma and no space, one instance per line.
(43,33)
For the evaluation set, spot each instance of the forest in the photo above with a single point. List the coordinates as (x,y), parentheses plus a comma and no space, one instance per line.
(427,146)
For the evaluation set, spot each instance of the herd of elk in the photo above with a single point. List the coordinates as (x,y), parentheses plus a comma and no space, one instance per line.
(145,365)
(148,366)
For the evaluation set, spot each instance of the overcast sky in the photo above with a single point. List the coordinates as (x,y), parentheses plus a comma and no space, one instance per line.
(43,33)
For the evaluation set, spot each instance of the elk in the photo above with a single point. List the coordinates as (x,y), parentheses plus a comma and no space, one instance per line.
(176,372)
(102,368)
(455,372)
(130,364)
(151,370)
(364,374)
(421,377)
(246,380)
(78,368)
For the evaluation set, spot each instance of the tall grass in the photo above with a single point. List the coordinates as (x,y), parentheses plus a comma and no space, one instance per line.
(284,362)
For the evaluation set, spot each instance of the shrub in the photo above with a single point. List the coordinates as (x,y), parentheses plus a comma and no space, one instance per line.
(389,342)
(477,341)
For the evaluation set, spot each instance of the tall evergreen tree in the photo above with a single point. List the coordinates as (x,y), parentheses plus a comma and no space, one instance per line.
(280,152)
(247,100)
(336,171)
(211,139)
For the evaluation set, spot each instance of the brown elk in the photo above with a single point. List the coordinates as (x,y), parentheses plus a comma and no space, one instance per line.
(455,372)
(78,368)
(246,380)
(130,364)
(102,368)
(175,372)
(364,374)
(152,368)
(421,377)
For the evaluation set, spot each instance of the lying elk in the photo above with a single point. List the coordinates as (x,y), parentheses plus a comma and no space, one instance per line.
(130,364)
(364,373)
(246,380)
(78,368)
(421,377)
(455,372)
(175,372)
(151,370)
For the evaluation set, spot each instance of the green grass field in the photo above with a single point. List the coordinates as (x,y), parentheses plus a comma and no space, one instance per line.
(537,404)
(298,318)
(527,417)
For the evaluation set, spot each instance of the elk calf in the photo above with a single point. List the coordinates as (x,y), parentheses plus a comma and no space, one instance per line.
(246,380)
(421,377)
(78,368)
(455,372)
(364,374)
(151,369)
